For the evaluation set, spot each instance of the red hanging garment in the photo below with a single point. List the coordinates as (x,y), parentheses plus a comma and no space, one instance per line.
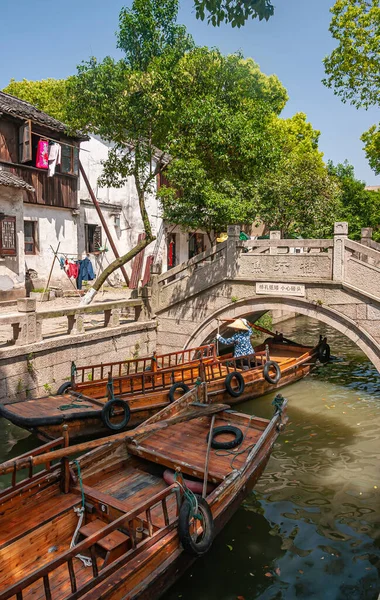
(171,254)
(42,159)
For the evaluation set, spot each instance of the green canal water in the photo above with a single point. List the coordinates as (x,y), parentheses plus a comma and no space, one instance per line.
(311,527)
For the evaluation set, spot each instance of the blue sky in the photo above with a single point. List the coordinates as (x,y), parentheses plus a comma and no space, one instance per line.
(51,38)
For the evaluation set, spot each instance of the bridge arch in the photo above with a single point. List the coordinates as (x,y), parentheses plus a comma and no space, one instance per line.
(327,315)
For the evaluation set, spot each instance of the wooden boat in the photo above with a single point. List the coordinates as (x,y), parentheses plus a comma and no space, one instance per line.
(114,509)
(136,389)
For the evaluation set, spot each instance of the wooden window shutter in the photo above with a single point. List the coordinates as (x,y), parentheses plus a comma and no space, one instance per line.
(25,142)
(75,161)
(66,159)
(97,237)
(8,235)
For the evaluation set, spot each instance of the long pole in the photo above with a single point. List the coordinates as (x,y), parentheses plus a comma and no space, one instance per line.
(204,490)
(51,270)
(55,255)
(102,220)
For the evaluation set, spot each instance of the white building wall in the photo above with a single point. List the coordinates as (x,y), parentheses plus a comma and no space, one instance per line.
(114,201)
(54,225)
(12,268)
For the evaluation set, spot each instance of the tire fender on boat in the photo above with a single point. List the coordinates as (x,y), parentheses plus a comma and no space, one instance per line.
(225,445)
(324,352)
(63,388)
(271,364)
(177,386)
(200,545)
(228,384)
(107,413)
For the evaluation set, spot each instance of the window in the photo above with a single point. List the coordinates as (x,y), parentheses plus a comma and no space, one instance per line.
(25,142)
(28,141)
(196,244)
(8,235)
(93,236)
(69,160)
(30,237)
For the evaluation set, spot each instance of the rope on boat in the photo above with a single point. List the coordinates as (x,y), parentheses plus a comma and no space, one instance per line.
(110,389)
(87,562)
(73,368)
(277,403)
(191,497)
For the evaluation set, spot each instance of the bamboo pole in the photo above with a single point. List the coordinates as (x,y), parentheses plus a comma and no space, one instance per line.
(204,490)
(109,441)
(51,270)
(103,221)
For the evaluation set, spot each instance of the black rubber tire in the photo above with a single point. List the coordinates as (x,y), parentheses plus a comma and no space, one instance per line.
(175,387)
(269,365)
(226,445)
(107,413)
(63,388)
(190,545)
(324,352)
(240,379)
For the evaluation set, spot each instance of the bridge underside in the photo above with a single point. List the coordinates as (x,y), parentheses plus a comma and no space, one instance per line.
(195,319)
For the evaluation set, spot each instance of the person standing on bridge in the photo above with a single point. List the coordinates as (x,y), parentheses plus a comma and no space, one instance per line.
(241,338)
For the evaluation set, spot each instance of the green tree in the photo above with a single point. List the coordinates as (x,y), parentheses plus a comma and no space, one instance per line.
(222,141)
(49,95)
(236,12)
(298,196)
(353,67)
(127,103)
(360,207)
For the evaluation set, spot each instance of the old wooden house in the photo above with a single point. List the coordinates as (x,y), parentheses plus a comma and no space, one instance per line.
(38,199)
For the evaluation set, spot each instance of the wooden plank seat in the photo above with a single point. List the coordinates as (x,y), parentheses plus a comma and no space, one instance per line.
(113,545)
(20,524)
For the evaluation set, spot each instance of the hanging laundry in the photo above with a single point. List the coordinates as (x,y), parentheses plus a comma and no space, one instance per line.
(86,272)
(42,159)
(73,270)
(54,158)
(171,254)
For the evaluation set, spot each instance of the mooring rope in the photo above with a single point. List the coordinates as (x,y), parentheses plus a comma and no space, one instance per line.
(87,562)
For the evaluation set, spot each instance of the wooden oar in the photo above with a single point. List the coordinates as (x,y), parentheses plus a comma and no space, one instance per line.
(262,329)
(8,467)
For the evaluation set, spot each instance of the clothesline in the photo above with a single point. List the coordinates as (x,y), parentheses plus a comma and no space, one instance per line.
(45,137)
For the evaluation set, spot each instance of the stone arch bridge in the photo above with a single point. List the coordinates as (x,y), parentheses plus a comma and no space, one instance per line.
(336,281)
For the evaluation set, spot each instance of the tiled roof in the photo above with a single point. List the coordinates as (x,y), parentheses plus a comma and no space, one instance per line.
(15,107)
(10,180)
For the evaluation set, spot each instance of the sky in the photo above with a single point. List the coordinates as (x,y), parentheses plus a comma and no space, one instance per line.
(51,38)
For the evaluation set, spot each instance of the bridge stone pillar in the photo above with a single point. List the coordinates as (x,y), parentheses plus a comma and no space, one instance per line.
(274,235)
(340,234)
(232,250)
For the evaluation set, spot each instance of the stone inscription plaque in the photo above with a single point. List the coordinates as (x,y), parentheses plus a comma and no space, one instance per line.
(289,289)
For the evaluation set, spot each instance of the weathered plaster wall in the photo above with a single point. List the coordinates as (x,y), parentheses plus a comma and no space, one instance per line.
(12,268)
(24,371)
(126,201)
(53,225)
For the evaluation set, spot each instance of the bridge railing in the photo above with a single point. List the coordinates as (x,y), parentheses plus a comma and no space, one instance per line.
(189,266)
(28,323)
(293,246)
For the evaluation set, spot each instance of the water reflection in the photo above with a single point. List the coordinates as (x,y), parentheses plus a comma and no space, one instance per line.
(311,528)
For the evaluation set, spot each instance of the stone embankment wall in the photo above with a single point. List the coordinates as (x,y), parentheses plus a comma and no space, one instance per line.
(39,369)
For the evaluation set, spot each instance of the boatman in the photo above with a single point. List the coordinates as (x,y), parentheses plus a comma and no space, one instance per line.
(241,338)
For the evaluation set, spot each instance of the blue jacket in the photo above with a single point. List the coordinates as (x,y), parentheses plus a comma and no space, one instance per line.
(86,272)
(242,341)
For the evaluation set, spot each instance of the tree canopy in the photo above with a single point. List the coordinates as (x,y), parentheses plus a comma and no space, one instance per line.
(353,67)
(236,12)
(360,207)
(298,196)
(49,95)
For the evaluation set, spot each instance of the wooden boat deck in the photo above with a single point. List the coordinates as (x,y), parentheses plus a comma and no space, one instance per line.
(171,445)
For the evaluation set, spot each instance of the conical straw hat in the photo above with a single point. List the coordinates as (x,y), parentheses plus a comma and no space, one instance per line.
(238,324)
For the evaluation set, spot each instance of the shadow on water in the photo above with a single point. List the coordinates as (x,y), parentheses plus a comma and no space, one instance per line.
(311,528)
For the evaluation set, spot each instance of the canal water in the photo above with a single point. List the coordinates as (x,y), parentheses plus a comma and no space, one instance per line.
(311,527)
